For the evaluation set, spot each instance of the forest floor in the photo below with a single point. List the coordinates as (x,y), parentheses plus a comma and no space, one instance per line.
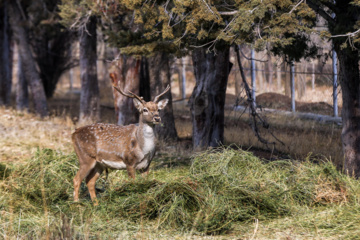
(288,136)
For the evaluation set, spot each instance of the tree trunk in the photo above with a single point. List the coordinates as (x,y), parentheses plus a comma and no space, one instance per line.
(89,97)
(53,56)
(270,71)
(5,58)
(239,86)
(102,66)
(128,76)
(28,61)
(144,80)
(349,80)
(287,80)
(259,73)
(22,94)
(301,79)
(279,76)
(159,72)
(313,75)
(208,98)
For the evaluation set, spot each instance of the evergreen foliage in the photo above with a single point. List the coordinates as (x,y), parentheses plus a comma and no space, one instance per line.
(142,27)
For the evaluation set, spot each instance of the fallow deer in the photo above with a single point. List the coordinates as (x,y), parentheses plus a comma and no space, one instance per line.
(132,147)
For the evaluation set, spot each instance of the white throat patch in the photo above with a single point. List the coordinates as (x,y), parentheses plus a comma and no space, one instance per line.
(149,139)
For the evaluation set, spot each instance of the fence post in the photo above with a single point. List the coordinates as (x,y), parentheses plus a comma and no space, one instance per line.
(292,85)
(253,72)
(335,84)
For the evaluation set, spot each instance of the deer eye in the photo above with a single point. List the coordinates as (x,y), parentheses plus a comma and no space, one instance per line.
(145,110)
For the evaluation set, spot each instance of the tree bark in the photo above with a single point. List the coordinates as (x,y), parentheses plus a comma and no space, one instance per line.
(279,75)
(128,76)
(5,58)
(287,75)
(32,75)
(301,79)
(144,80)
(208,98)
(22,94)
(349,80)
(259,73)
(159,72)
(344,20)
(89,97)
(270,72)
(53,56)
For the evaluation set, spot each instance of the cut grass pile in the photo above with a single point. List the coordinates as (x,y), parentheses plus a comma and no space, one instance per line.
(221,192)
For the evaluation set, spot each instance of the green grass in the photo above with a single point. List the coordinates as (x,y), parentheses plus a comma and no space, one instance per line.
(223,193)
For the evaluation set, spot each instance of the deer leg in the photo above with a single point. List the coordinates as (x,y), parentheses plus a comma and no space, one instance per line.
(145,172)
(84,170)
(91,181)
(131,171)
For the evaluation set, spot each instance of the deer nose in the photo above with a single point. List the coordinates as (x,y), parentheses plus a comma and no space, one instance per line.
(157,119)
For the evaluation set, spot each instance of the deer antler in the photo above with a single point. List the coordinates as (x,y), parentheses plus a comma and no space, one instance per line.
(156,99)
(131,95)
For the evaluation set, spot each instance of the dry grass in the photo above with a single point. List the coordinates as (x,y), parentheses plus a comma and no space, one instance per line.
(236,194)
(22,133)
(300,137)
(224,194)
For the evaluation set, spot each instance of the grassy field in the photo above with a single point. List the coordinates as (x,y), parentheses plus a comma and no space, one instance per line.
(224,194)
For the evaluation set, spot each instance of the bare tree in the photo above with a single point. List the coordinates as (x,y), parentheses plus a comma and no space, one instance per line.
(208,98)
(5,58)
(90,96)
(127,77)
(159,72)
(22,93)
(28,62)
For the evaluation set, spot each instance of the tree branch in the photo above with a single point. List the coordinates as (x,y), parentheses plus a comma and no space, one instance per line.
(252,107)
(296,6)
(229,13)
(249,58)
(208,7)
(317,8)
(234,12)
(352,34)
(330,5)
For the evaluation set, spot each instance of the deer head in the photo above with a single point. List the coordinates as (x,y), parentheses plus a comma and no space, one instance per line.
(149,111)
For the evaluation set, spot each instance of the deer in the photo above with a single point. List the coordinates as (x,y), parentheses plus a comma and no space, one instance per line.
(102,146)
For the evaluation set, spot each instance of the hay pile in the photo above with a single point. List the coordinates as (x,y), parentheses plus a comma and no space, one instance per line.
(221,188)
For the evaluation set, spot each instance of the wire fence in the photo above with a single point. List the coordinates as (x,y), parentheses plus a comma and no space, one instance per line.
(307,82)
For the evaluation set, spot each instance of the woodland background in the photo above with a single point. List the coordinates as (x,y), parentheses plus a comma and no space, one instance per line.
(235,158)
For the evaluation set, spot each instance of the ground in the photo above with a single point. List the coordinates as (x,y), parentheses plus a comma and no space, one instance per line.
(31,145)
(300,137)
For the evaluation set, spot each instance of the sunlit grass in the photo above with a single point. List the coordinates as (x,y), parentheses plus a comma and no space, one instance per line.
(22,133)
(224,193)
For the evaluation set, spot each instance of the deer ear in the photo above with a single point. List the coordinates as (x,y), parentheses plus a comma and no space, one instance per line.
(161,104)
(139,106)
